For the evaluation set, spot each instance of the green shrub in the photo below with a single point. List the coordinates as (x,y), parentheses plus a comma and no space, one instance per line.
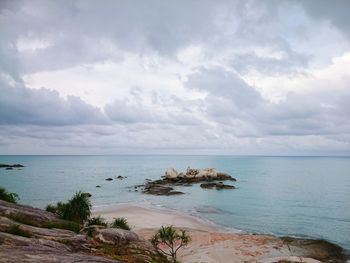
(9,197)
(51,208)
(77,209)
(18,231)
(97,221)
(121,223)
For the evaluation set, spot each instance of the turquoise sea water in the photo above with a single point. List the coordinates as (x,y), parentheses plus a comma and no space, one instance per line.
(300,196)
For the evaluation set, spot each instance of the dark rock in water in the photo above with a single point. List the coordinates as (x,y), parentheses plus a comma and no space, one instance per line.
(157,188)
(208,185)
(9,168)
(17,165)
(109,179)
(120,177)
(218,186)
(175,193)
(2,165)
(98,186)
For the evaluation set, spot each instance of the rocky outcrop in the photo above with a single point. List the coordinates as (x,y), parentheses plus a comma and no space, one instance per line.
(31,215)
(25,238)
(14,249)
(116,236)
(321,250)
(172,178)
(196,176)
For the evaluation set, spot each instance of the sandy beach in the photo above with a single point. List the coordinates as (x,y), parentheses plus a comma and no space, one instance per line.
(210,243)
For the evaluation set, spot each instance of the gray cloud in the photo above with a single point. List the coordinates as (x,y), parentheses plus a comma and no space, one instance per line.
(236,38)
(20,105)
(232,102)
(337,12)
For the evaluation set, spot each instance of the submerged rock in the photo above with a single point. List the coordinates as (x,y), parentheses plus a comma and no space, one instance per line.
(109,179)
(218,186)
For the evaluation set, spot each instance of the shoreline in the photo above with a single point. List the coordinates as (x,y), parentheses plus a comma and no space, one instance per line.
(134,211)
(212,243)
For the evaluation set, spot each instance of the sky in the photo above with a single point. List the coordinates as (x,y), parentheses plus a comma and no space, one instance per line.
(175,77)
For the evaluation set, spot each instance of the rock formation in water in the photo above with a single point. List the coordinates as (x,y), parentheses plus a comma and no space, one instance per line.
(172,178)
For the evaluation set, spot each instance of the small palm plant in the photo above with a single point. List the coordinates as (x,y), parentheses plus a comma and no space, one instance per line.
(169,241)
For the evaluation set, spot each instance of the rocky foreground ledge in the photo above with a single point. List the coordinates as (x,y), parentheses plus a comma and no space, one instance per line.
(209,178)
(29,235)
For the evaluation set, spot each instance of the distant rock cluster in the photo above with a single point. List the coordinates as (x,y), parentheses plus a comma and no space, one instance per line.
(11,166)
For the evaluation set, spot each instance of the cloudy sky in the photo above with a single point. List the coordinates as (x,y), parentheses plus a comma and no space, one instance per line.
(186,77)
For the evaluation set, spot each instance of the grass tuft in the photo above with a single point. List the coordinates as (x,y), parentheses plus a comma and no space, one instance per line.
(18,231)
(121,222)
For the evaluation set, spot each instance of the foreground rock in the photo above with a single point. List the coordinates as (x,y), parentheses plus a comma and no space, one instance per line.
(173,178)
(25,237)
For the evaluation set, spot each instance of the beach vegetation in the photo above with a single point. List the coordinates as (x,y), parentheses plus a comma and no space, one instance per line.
(98,220)
(77,209)
(18,231)
(168,241)
(51,208)
(7,196)
(24,219)
(121,222)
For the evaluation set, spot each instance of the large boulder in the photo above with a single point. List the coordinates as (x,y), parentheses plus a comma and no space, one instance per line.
(171,173)
(115,236)
(207,172)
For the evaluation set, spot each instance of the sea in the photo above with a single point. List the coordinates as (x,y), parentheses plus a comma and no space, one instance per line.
(280,195)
